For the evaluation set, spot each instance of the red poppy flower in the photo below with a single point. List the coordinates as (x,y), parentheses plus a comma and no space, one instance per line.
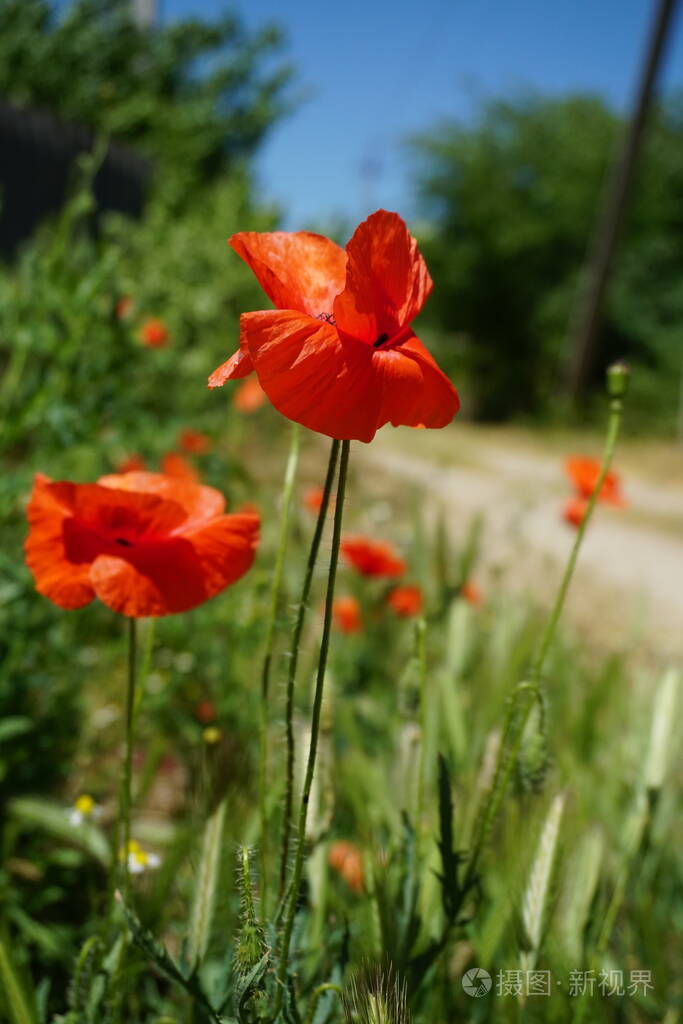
(131,464)
(346,615)
(154,333)
(372,558)
(194,442)
(144,543)
(175,465)
(249,508)
(584,471)
(338,354)
(205,711)
(313,499)
(574,511)
(406,601)
(347,859)
(249,396)
(124,307)
(471,593)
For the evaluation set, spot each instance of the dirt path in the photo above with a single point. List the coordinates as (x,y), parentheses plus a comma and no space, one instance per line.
(629,587)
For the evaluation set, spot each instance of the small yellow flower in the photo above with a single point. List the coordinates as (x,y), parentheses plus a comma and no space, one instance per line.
(84,809)
(211,734)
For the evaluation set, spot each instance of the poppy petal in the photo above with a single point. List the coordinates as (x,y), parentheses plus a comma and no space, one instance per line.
(415,392)
(297,270)
(197,500)
(56,577)
(311,376)
(238,365)
(180,573)
(372,558)
(225,548)
(340,386)
(387,281)
(163,578)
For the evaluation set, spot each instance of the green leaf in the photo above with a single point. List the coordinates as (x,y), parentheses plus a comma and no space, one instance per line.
(14,726)
(12,991)
(163,960)
(246,985)
(41,814)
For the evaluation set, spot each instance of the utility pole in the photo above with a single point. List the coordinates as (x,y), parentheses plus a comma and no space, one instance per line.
(583,330)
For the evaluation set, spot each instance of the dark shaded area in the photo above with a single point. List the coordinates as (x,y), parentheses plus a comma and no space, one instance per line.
(38,151)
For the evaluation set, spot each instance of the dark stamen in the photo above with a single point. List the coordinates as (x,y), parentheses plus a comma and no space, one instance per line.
(124,543)
(380,341)
(328,318)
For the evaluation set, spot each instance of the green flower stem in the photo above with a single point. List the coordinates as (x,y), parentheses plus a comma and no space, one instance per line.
(126,786)
(148,650)
(315,725)
(528,693)
(294,660)
(328,986)
(275,589)
(616,410)
(421,650)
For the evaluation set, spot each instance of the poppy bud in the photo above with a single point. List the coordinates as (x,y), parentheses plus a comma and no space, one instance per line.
(617,379)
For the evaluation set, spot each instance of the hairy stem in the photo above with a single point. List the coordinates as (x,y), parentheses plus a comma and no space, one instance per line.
(294,660)
(126,785)
(274,602)
(315,726)
(421,650)
(528,693)
(327,986)
(616,409)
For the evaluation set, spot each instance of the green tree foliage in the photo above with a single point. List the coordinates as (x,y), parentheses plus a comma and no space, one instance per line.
(195,94)
(513,198)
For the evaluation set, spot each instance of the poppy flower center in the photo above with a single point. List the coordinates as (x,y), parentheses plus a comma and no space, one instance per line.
(124,542)
(385,340)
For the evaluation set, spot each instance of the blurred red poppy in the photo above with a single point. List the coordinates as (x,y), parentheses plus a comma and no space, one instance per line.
(574,510)
(194,442)
(346,615)
(346,858)
(205,711)
(471,593)
(154,333)
(124,307)
(131,464)
(144,543)
(313,499)
(406,601)
(175,465)
(584,471)
(249,396)
(249,508)
(338,354)
(372,558)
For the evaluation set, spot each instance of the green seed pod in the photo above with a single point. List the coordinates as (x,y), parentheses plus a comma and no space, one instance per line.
(617,379)
(250,942)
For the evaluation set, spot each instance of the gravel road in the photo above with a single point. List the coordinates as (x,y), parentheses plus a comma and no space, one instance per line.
(629,586)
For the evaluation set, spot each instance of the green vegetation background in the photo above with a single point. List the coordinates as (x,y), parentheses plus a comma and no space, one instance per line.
(509,201)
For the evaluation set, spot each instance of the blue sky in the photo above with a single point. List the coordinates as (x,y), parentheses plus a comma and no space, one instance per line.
(375,72)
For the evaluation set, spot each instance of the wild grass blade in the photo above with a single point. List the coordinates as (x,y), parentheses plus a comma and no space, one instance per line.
(205,891)
(13,992)
(535,901)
